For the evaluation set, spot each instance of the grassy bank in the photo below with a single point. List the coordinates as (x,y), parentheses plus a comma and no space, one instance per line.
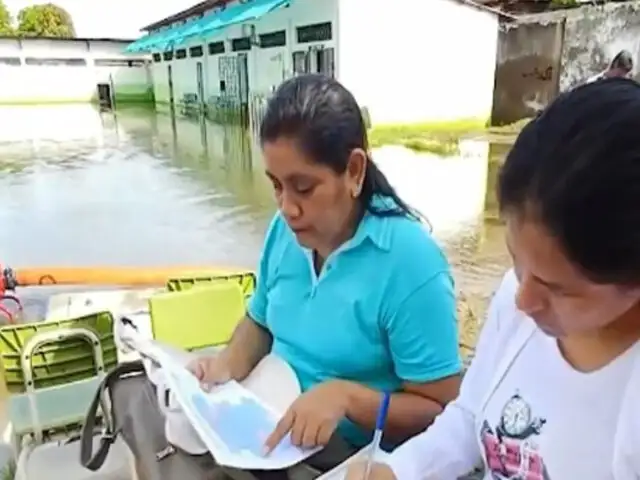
(37,102)
(440,138)
(124,96)
(43,102)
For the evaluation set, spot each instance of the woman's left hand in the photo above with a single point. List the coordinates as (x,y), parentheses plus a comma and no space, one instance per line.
(313,417)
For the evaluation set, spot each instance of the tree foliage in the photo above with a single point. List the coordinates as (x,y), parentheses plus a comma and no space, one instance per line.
(5,20)
(45,20)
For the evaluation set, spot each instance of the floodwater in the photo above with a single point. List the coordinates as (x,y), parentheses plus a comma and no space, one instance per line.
(79,187)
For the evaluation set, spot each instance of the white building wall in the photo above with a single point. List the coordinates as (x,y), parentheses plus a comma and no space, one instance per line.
(423,61)
(160,82)
(184,76)
(131,82)
(27,74)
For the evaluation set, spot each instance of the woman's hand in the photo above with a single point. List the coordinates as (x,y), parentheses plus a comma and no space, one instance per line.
(210,370)
(379,471)
(313,417)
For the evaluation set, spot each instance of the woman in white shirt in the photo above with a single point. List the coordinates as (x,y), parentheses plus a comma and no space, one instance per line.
(554,389)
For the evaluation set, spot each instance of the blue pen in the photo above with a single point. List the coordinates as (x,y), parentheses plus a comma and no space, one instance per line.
(377,434)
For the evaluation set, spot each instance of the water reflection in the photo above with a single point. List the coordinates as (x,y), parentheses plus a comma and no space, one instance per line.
(140,188)
(497,152)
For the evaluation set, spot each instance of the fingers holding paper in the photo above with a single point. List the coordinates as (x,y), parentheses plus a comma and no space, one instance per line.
(313,417)
(210,370)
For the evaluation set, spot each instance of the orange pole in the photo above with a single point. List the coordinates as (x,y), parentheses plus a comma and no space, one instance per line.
(130,276)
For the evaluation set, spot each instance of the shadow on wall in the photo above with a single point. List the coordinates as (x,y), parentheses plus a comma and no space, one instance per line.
(497,154)
(527,71)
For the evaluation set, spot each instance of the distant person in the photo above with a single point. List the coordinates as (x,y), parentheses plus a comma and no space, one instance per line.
(621,66)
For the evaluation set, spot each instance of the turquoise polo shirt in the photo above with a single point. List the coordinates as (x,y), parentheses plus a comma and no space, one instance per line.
(381,312)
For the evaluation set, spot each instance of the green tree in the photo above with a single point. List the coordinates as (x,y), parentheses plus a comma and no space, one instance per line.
(5,20)
(45,20)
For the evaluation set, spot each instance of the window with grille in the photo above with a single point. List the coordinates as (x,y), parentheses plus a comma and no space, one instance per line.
(241,44)
(273,39)
(318,32)
(216,48)
(196,52)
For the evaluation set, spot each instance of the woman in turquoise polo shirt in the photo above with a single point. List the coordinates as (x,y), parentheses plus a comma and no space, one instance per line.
(352,290)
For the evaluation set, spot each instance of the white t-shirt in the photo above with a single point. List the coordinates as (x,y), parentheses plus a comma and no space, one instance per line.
(526,414)
(545,420)
(597,77)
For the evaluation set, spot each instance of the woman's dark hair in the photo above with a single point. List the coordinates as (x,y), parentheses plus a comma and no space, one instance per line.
(326,121)
(623,60)
(576,170)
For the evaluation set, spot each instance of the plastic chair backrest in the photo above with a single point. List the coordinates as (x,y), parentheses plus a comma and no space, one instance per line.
(56,407)
(199,317)
(246,280)
(60,362)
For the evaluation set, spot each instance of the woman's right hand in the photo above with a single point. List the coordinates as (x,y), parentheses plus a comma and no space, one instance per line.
(210,370)
(379,471)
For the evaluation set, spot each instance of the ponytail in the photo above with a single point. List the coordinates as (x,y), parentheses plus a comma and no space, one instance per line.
(376,184)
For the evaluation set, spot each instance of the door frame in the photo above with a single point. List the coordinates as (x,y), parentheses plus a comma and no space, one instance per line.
(170,82)
(200,83)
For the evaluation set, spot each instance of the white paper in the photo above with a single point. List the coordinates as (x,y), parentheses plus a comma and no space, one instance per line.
(231,421)
(133,337)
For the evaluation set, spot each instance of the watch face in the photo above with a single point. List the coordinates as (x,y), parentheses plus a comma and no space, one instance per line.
(516,416)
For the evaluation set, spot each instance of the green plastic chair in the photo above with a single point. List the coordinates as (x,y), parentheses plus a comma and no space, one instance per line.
(52,370)
(198,317)
(246,280)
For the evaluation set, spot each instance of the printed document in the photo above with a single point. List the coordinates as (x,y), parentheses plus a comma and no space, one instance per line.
(231,421)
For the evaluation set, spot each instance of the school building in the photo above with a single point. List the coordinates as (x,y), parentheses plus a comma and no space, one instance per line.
(406,61)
